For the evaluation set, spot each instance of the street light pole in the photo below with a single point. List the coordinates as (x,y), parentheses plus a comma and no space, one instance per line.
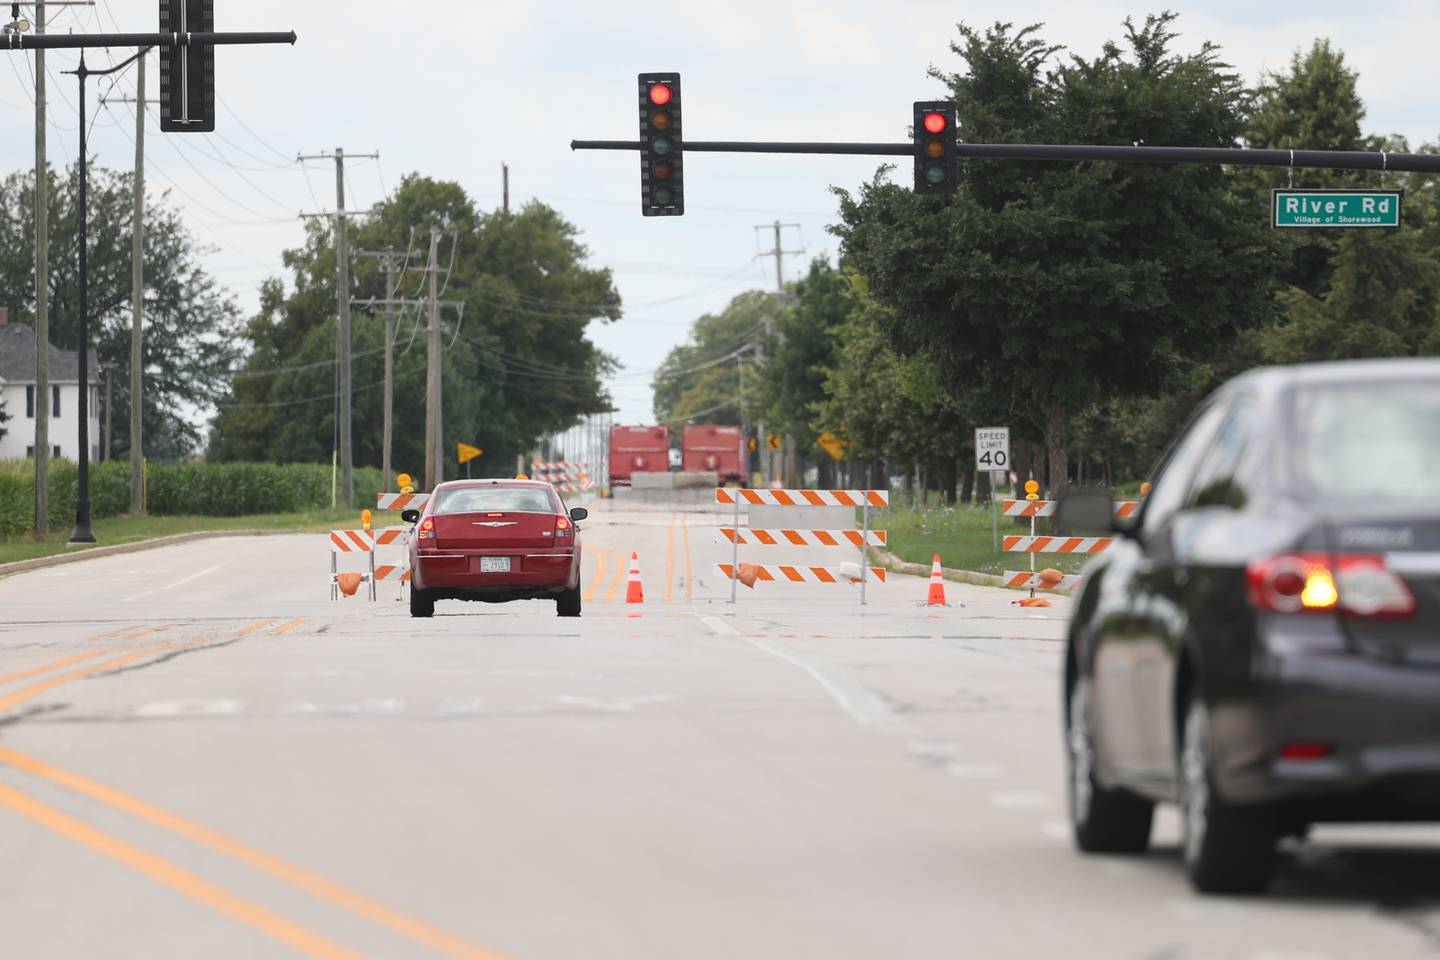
(82,532)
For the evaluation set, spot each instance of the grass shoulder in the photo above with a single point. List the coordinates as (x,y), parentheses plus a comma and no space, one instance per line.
(964,538)
(113,531)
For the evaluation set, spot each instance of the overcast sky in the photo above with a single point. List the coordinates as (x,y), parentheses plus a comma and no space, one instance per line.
(455,88)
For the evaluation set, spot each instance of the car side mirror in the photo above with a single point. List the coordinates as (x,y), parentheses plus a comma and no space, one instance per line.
(1087,511)
(578,513)
(410,516)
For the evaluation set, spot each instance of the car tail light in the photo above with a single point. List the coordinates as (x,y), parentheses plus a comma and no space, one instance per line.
(1306,751)
(426,530)
(1357,584)
(563,526)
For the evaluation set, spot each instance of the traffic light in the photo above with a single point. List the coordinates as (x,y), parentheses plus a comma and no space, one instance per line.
(187,74)
(935,168)
(662,172)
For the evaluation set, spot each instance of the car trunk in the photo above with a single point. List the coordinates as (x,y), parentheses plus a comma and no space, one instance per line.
(1410,546)
(499,530)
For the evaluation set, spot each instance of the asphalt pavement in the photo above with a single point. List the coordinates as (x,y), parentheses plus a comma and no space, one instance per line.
(202,755)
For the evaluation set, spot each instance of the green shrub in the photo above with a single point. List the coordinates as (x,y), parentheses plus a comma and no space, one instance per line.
(175,489)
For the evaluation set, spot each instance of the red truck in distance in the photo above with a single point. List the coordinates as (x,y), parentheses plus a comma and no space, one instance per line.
(711,448)
(638,450)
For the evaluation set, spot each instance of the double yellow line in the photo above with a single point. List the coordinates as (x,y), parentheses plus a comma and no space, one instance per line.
(185,881)
(605,557)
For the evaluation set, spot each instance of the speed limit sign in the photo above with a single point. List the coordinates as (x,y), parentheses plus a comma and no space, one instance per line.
(992,448)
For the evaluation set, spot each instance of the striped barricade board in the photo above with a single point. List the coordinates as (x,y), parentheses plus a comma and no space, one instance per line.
(801,538)
(1029,580)
(778,573)
(1046,508)
(1056,544)
(401,501)
(803,498)
(352,541)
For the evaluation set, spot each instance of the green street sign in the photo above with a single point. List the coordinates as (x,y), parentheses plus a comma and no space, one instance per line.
(1335,208)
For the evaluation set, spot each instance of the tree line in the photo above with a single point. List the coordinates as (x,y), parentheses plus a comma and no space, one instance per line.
(1090,306)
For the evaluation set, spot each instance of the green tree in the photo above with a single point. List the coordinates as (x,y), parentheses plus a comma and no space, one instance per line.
(702,378)
(1061,284)
(517,363)
(793,375)
(190,321)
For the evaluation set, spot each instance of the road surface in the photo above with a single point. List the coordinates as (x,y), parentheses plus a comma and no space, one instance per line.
(201,755)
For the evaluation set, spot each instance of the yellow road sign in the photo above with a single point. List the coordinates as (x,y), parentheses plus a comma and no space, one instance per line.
(465,453)
(773,442)
(833,445)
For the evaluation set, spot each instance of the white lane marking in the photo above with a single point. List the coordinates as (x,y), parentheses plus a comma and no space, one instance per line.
(1019,799)
(384,705)
(721,627)
(626,705)
(178,583)
(453,705)
(190,708)
(855,699)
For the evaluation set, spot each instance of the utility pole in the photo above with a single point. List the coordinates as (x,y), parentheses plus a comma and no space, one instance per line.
(392,261)
(771,461)
(342,324)
(434,458)
(137,304)
(42,295)
(505,185)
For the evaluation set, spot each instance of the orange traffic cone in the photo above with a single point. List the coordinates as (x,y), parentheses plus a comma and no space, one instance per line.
(936,596)
(634,589)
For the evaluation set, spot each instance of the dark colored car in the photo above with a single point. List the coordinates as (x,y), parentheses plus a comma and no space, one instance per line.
(495,540)
(1263,646)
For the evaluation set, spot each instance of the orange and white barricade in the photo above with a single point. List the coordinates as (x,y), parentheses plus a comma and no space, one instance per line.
(749,574)
(1033,544)
(565,476)
(802,498)
(395,538)
(401,501)
(352,542)
(1031,580)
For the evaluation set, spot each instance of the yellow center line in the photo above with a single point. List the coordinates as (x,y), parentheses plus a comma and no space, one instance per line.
(315,884)
(56,664)
(670,559)
(287,627)
(685,546)
(622,567)
(178,878)
(599,579)
(258,625)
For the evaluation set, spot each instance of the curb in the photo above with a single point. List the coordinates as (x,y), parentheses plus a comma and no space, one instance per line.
(21,566)
(891,562)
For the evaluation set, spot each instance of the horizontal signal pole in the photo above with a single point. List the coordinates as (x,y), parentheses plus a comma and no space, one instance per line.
(1234,156)
(71,41)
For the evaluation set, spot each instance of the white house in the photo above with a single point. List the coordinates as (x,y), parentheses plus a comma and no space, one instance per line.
(17,393)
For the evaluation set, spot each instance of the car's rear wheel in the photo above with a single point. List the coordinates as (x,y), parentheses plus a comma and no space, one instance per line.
(421,603)
(1102,820)
(1228,848)
(567,604)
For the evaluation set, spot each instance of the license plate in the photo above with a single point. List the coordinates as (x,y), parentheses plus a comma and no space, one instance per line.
(494,564)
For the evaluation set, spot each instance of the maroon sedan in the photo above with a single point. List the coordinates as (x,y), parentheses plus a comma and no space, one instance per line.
(495,540)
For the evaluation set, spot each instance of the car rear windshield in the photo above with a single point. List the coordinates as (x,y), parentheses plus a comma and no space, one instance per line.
(1369,439)
(494,500)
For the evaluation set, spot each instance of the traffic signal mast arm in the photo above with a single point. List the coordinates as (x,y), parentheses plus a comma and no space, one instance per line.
(1307,159)
(63,41)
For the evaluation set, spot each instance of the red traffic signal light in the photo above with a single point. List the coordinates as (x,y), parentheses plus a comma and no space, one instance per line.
(662,181)
(936,170)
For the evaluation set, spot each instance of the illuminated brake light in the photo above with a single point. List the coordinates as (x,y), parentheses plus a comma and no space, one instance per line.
(1306,751)
(1359,585)
(426,529)
(562,526)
